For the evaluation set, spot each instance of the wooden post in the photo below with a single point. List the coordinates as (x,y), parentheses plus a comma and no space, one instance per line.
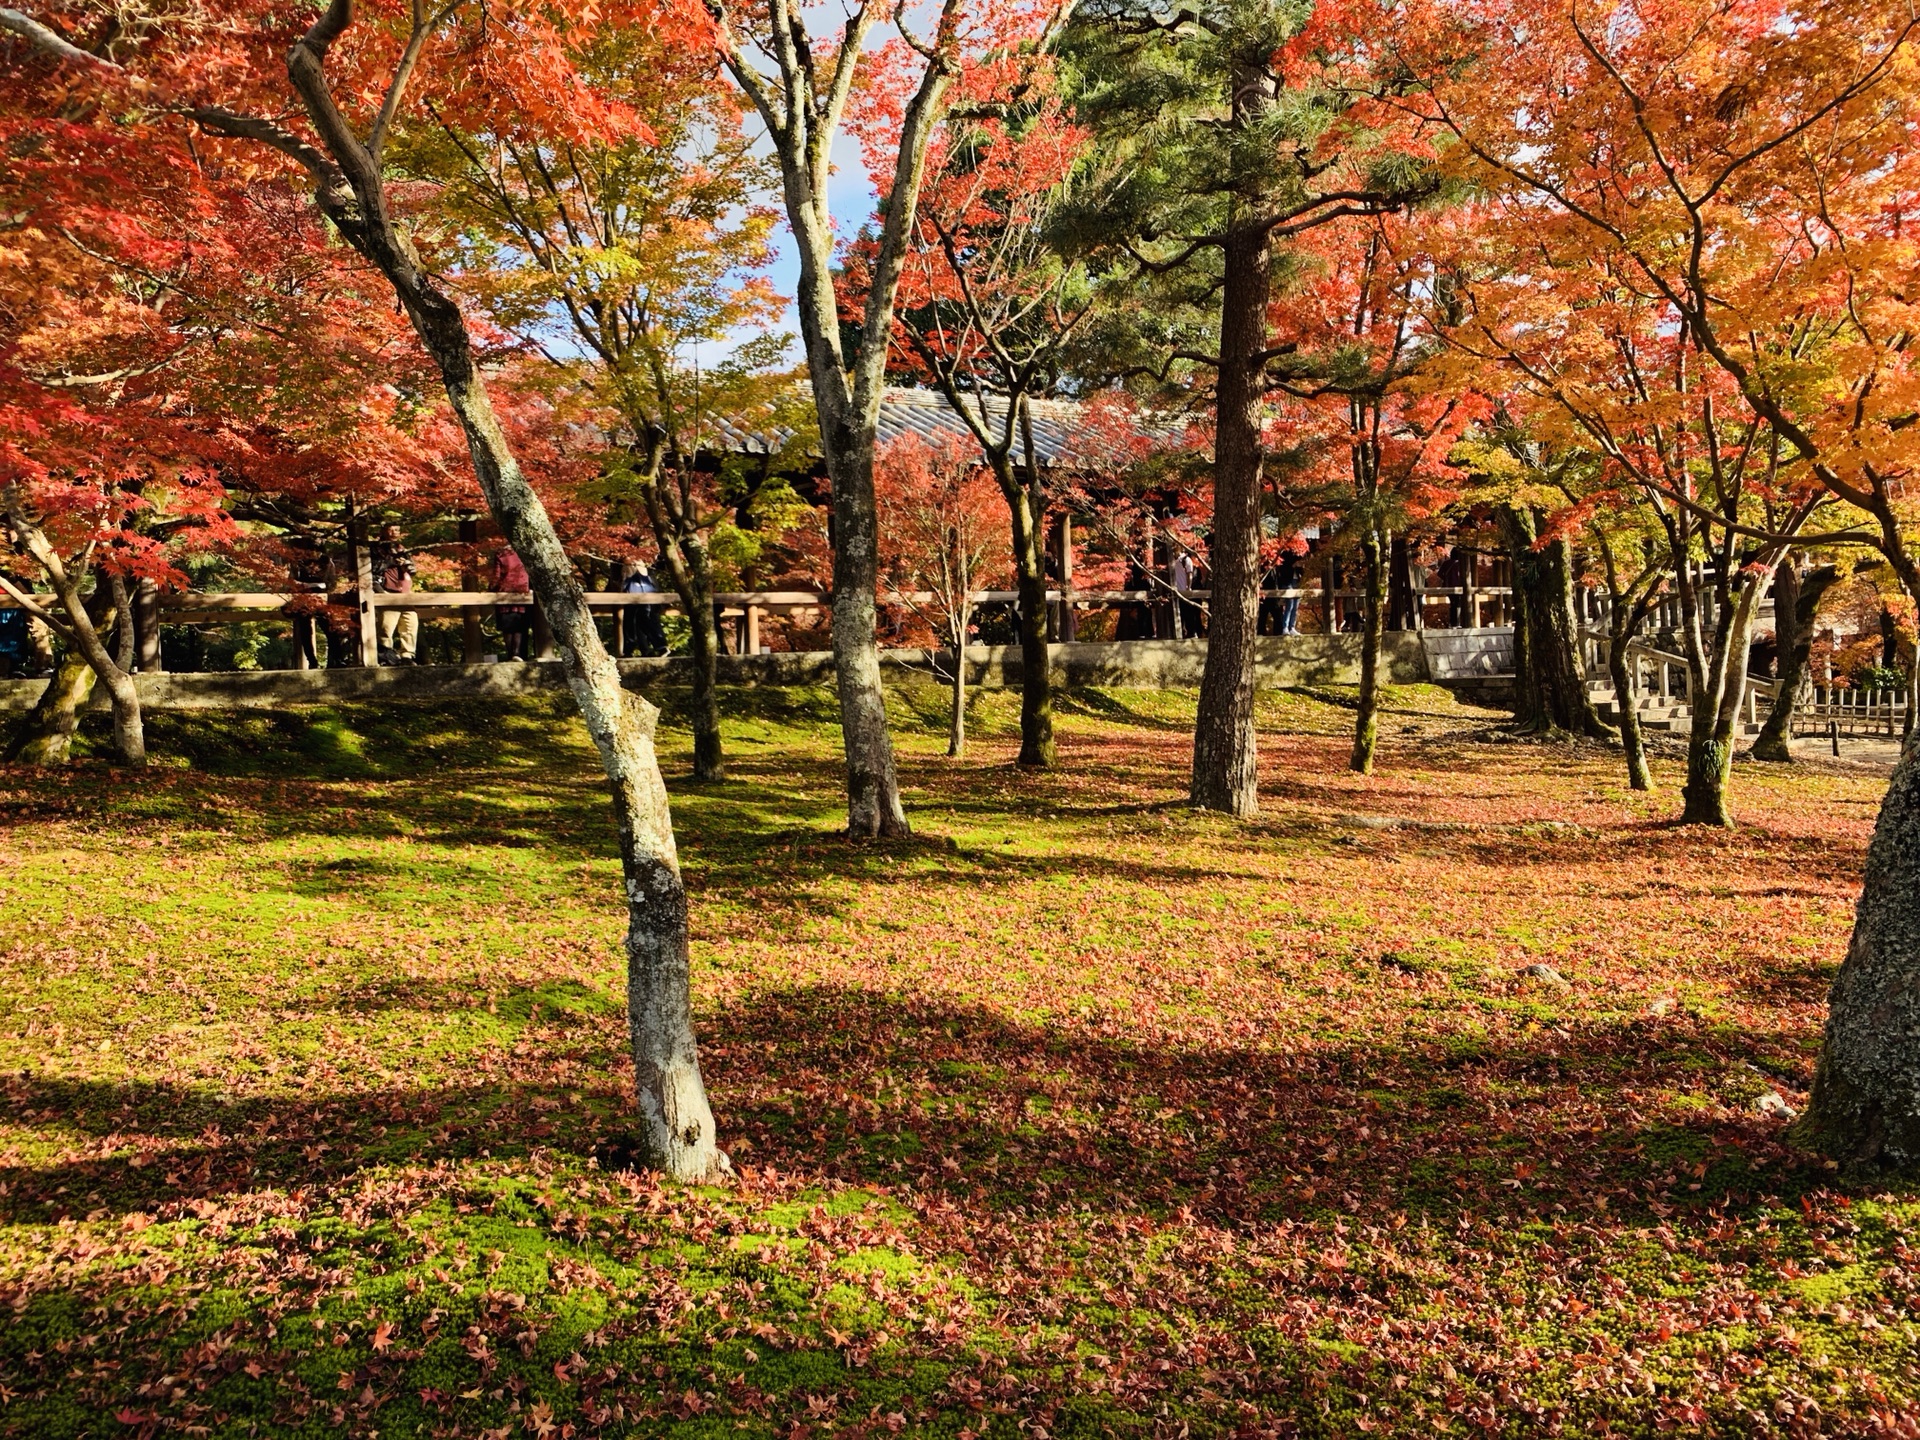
(542,634)
(361,558)
(752,623)
(146,627)
(471,640)
(1328,620)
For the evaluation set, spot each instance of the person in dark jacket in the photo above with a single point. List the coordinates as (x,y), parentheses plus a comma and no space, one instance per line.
(645,635)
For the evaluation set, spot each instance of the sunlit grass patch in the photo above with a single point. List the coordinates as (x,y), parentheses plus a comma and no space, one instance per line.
(1078,1110)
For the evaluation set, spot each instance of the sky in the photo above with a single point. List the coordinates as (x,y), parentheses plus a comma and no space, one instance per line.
(851,199)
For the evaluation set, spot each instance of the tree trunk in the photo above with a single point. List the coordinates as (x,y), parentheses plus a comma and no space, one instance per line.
(125,652)
(1716,706)
(1037,748)
(1225,745)
(677,1125)
(1366,725)
(1550,686)
(1771,742)
(1865,1107)
(873,788)
(1400,607)
(83,617)
(129,726)
(1795,600)
(957,716)
(703,654)
(45,737)
(847,391)
(684,555)
(678,1129)
(1632,738)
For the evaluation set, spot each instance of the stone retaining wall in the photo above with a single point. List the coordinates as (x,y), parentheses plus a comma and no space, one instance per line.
(1141,664)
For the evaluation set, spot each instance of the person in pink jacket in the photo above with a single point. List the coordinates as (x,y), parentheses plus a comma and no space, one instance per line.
(510,577)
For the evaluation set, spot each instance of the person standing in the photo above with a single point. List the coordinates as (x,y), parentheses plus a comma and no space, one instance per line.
(645,635)
(510,578)
(1285,576)
(1136,616)
(1453,577)
(1189,611)
(307,573)
(393,575)
(13,641)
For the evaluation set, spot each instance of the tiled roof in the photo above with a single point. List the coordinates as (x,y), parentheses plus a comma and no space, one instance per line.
(927,414)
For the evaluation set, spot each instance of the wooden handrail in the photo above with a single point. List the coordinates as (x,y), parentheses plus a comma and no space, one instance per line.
(217,604)
(205,606)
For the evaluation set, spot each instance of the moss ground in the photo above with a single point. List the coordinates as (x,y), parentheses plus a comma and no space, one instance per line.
(1079,1114)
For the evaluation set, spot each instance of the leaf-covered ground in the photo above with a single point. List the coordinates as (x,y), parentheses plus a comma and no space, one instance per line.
(1078,1115)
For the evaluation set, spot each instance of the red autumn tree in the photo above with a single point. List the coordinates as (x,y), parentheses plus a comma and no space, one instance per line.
(1723,190)
(801,87)
(1361,406)
(1749,168)
(180,334)
(941,540)
(321,97)
(990,308)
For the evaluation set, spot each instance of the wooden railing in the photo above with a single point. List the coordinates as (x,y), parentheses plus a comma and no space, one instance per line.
(1667,676)
(1845,710)
(745,609)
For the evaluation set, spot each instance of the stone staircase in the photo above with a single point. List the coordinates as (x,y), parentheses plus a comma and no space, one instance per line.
(1662,702)
(1465,659)
(1672,715)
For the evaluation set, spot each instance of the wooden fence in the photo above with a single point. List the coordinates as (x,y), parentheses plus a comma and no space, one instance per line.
(742,611)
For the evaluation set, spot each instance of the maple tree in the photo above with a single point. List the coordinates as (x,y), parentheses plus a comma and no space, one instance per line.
(641,245)
(1745,172)
(992,302)
(905,87)
(182,340)
(1699,219)
(940,540)
(471,67)
(1358,396)
(1596,366)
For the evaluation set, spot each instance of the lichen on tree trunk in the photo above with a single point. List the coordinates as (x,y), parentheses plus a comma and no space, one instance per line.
(45,735)
(1865,1106)
(873,788)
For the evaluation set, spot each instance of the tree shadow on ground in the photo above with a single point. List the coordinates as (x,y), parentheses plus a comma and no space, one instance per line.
(868,1088)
